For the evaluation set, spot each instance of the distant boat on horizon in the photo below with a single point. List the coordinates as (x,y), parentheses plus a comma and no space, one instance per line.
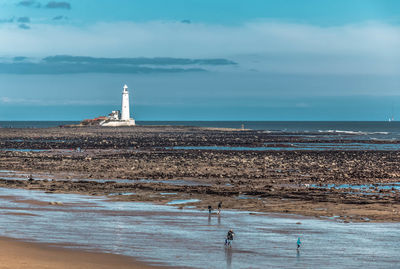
(392,117)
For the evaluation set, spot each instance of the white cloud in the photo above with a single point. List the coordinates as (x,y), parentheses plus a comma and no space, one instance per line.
(9,100)
(52,102)
(5,100)
(369,48)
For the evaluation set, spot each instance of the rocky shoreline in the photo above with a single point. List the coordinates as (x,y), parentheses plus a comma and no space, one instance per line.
(305,182)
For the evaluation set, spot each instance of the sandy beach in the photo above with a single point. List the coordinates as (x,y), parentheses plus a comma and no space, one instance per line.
(16,254)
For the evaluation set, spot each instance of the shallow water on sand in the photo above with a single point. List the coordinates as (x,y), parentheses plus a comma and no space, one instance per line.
(290,146)
(189,237)
(362,187)
(15,175)
(24,150)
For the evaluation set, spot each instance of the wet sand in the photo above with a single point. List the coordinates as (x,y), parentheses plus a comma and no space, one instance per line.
(265,181)
(353,207)
(16,254)
(188,237)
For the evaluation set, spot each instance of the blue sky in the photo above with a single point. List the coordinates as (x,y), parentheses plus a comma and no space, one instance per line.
(220,59)
(326,12)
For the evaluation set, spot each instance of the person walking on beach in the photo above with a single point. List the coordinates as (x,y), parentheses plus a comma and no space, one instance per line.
(209,209)
(298,244)
(219,207)
(229,238)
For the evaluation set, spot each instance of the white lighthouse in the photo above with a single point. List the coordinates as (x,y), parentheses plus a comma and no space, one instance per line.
(125,115)
(116,119)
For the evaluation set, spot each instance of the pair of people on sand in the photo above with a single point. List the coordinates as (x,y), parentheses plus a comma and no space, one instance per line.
(219,208)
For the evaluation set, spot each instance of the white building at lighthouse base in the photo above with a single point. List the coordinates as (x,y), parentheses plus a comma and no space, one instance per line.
(119,123)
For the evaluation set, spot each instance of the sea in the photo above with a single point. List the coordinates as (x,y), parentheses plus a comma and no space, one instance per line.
(391,129)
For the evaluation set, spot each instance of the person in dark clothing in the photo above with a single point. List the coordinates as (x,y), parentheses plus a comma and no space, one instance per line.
(209,209)
(229,238)
(219,207)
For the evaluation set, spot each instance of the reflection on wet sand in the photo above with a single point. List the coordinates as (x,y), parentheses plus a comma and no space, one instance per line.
(228,257)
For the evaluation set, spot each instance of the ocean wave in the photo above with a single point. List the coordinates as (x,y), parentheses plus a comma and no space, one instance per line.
(352,132)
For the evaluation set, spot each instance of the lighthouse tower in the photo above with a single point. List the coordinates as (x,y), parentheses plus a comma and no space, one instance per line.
(125,115)
(114,119)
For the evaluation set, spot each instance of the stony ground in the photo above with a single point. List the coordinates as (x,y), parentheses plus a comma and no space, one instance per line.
(270,181)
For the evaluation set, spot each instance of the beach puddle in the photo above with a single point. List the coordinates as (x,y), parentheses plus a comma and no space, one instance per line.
(25,150)
(121,194)
(180,202)
(289,146)
(160,234)
(218,148)
(178,182)
(246,197)
(39,140)
(15,175)
(363,188)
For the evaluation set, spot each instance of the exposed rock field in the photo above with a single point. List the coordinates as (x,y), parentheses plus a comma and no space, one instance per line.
(290,181)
